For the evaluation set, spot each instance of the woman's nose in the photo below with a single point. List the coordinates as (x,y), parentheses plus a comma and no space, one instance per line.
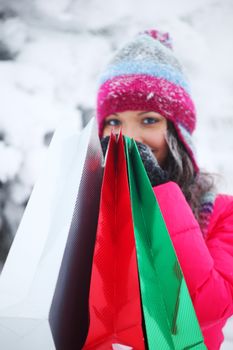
(133,133)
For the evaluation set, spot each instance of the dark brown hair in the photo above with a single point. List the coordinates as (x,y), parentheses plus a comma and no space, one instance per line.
(179,166)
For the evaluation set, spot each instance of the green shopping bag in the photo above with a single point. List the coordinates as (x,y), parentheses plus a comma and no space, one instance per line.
(170,319)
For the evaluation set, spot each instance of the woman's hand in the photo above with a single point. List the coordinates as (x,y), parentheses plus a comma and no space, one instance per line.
(156,174)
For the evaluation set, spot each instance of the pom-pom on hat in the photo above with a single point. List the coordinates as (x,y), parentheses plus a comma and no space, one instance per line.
(146,75)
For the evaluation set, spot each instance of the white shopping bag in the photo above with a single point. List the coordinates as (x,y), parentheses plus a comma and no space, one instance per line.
(45,281)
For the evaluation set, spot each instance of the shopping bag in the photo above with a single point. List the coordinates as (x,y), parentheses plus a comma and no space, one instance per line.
(114,302)
(170,319)
(44,285)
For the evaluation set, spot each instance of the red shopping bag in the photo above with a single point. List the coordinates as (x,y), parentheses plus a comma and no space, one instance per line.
(114,300)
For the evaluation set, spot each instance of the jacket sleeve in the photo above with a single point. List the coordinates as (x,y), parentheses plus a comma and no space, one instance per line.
(207,265)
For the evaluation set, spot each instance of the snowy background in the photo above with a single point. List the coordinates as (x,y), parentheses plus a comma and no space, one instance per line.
(51,53)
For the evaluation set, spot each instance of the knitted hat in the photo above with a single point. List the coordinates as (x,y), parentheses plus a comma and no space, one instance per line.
(145,75)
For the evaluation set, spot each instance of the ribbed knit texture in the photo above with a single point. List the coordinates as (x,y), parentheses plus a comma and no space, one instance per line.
(206,210)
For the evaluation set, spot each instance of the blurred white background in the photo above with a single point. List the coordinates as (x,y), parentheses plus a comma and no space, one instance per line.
(51,53)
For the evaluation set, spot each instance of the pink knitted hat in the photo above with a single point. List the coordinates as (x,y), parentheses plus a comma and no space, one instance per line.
(145,75)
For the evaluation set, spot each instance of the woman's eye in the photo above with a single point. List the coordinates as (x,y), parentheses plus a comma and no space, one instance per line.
(150,120)
(113,122)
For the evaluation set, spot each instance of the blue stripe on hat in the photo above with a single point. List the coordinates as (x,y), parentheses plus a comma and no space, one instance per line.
(141,67)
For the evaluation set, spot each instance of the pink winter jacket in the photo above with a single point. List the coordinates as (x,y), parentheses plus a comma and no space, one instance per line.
(207,264)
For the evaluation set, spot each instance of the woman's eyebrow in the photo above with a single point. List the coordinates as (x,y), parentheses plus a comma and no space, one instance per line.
(146,112)
(113,114)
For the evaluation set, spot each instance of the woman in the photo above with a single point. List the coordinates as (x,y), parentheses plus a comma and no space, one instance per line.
(144,92)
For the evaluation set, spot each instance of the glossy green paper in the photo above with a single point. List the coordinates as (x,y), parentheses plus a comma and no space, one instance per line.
(170,319)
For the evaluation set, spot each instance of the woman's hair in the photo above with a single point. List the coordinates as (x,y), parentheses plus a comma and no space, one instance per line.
(194,185)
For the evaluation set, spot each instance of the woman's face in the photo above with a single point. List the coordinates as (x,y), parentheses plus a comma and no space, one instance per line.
(146,127)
